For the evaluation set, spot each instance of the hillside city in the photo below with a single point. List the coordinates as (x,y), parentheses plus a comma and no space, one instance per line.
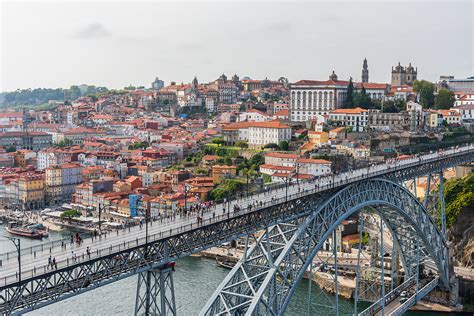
(98,161)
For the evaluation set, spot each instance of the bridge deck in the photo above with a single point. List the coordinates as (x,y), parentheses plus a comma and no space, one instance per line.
(34,264)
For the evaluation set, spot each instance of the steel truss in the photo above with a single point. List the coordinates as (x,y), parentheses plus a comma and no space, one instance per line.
(63,283)
(155,292)
(266,289)
(52,286)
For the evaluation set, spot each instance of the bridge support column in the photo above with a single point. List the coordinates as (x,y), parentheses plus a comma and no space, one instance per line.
(155,293)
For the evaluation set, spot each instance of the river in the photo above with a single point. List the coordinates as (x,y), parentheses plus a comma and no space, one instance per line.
(195,280)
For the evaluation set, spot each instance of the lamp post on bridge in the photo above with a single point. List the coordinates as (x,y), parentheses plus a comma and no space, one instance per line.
(186,189)
(17,243)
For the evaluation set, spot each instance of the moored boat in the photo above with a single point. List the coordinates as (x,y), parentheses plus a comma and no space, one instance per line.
(40,228)
(14,229)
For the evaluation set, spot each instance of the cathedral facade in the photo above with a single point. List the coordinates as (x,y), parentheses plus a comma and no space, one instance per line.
(403,75)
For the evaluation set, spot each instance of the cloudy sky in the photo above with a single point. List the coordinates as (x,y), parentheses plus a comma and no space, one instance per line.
(113,44)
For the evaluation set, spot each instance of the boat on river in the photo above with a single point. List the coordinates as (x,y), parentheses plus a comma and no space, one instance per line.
(225,263)
(40,228)
(14,229)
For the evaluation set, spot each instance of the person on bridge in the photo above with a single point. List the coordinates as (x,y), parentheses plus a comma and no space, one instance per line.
(88,252)
(54,264)
(50,262)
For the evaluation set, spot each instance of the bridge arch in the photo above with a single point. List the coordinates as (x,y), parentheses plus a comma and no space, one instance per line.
(266,286)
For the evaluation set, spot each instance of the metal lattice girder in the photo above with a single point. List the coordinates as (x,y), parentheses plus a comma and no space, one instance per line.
(60,284)
(279,283)
(155,292)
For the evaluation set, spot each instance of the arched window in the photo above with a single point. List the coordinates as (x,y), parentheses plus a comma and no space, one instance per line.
(304,99)
(320,99)
(310,100)
(298,99)
(331,99)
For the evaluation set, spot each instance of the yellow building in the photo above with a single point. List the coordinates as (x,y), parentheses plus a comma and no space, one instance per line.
(31,190)
(221,172)
(318,137)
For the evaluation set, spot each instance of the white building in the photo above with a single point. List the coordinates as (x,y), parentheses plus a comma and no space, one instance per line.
(254,115)
(262,133)
(356,118)
(282,166)
(309,98)
(463,99)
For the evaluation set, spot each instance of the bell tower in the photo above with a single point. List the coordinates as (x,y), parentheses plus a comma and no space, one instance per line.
(365,71)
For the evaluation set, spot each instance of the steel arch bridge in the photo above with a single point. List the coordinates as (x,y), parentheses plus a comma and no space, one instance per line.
(265,281)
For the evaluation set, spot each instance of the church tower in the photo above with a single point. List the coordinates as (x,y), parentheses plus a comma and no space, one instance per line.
(195,84)
(365,71)
(333,76)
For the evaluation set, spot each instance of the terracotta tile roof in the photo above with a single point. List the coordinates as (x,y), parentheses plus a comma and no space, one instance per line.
(349,111)
(281,155)
(276,167)
(282,113)
(314,161)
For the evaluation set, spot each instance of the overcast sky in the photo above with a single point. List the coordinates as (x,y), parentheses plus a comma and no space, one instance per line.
(114,44)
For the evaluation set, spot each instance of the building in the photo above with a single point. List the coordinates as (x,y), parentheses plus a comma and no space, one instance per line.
(356,118)
(457,85)
(31,191)
(56,156)
(26,140)
(281,166)
(434,119)
(254,115)
(257,134)
(381,121)
(309,98)
(222,172)
(318,138)
(262,133)
(452,117)
(404,75)
(365,71)
(463,98)
(61,181)
(157,84)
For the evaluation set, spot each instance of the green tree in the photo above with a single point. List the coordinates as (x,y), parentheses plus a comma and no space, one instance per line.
(283,145)
(69,214)
(271,146)
(242,144)
(425,90)
(362,99)
(218,141)
(444,99)
(66,142)
(350,95)
(138,145)
(459,197)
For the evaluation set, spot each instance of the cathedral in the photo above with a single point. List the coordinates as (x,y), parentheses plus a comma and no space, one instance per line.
(403,75)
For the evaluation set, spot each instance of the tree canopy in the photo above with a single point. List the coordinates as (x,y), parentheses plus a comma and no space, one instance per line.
(444,99)
(459,196)
(425,89)
(350,95)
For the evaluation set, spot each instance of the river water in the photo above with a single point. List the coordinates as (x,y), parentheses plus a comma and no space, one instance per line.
(195,280)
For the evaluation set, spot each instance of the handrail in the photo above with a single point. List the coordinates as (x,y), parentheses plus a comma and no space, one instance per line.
(369,310)
(415,297)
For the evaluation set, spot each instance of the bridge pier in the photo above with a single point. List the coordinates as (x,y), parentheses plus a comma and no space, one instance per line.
(155,292)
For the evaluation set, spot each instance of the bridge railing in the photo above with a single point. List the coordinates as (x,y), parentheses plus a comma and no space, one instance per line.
(48,246)
(387,298)
(415,297)
(190,224)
